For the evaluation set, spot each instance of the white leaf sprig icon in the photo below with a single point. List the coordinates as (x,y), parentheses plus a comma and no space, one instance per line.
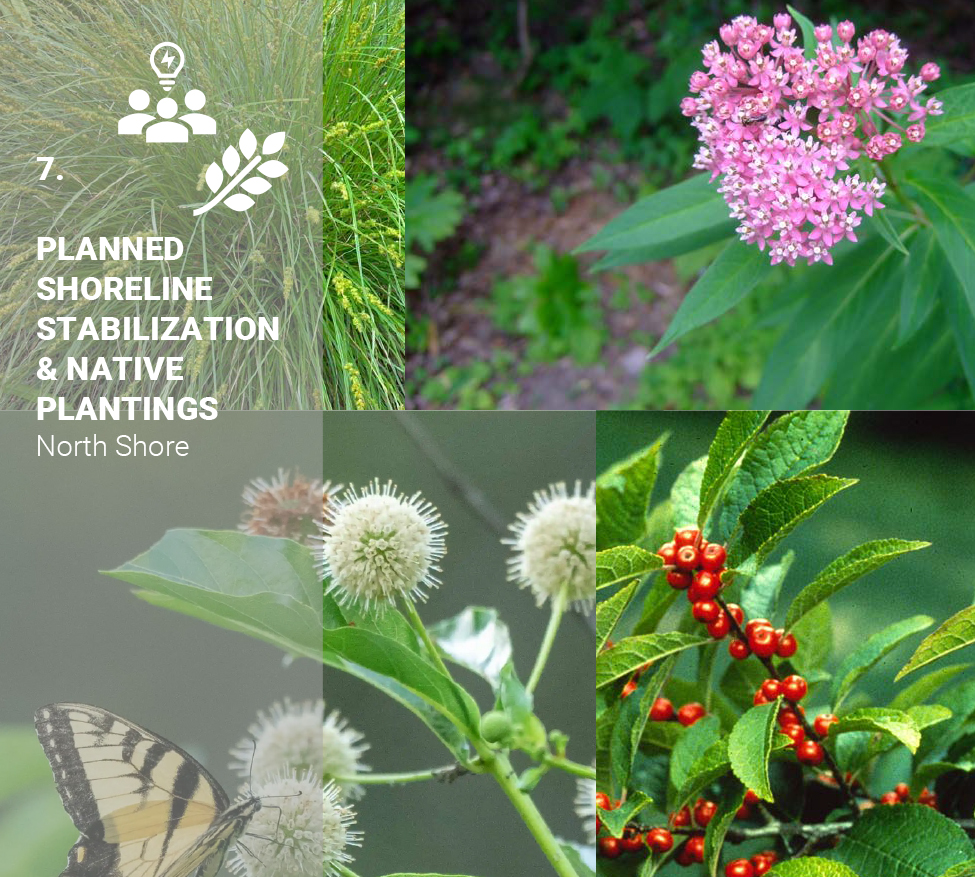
(252,178)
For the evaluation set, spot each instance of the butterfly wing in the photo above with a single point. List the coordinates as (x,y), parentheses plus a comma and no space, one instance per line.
(141,803)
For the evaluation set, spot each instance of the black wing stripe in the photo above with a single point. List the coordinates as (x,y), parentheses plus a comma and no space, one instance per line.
(187,779)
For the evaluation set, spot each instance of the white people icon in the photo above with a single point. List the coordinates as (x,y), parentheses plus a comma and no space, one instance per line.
(167,125)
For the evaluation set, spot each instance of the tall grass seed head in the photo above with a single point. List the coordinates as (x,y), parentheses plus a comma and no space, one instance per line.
(380,544)
(555,545)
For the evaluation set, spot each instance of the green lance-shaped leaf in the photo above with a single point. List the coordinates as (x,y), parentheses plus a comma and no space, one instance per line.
(957,124)
(622,496)
(809,41)
(883,225)
(625,562)
(609,611)
(965,869)
(685,494)
(815,632)
(898,724)
(729,278)
(956,633)
(811,866)
(777,510)
(615,821)
(961,321)
(734,435)
(861,659)
(750,744)
(791,445)
(909,840)
(923,274)
(717,829)
(760,597)
(847,569)
(476,639)
(675,220)
(924,715)
(691,745)
(267,588)
(635,651)
(918,692)
(711,766)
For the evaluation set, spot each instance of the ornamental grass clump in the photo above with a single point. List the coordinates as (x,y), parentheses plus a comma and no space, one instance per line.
(782,128)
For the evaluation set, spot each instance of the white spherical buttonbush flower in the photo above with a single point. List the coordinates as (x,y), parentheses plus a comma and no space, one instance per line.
(379,544)
(555,545)
(586,806)
(299,737)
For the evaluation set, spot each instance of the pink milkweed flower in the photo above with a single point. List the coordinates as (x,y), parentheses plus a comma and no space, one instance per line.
(783,178)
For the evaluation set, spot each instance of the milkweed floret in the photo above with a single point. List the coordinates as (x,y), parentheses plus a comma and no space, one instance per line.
(781,130)
(379,544)
(554,545)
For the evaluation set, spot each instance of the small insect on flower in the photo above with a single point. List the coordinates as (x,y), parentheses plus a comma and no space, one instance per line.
(555,545)
(586,806)
(285,507)
(379,544)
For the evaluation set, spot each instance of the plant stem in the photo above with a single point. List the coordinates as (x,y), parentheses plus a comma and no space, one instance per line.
(419,627)
(810,731)
(500,768)
(414,776)
(345,872)
(558,608)
(898,192)
(569,766)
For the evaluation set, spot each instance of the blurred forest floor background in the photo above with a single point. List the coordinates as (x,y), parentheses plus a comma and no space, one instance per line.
(530,125)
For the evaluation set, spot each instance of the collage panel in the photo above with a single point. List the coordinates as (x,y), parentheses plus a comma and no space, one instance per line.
(458,565)
(782,675)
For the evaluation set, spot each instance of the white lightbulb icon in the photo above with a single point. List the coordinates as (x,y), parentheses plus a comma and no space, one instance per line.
(167,60)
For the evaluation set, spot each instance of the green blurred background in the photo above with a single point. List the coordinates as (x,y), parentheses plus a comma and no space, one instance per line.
(468,827)
(917,473)
(68,633)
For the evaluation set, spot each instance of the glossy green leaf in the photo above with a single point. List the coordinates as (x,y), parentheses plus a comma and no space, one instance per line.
(609,611)
(734,435)
(865,656)
(717,830)
(750,745)
(925,715)
(960,699)
(728,279)
(625,562)
(622,496)
(660,597)
(918,692)
(957,123)
(923,272)
(909,840)
(579,857)
(956,633)
(847,569)
(477,640)
(760,597)
(675,220)
(615,820)
(815,632)
(898,724)
(267,588)
(811,866)
(711,766)
(685,495)
(807,28)
(882,224)
(691,745)
(965,869)
(777,511)
(791,445)
(635,651)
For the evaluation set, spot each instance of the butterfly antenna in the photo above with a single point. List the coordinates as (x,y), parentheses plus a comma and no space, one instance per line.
(250,772)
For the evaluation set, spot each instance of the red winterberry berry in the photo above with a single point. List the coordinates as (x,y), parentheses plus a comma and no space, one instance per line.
(704,587)
(689,713)
(759,698)
(609,847)
(687,536)
(683,857)
(789,716)
(706,611)
(739,868)
(662,710)
(720,627)
(713,557)
(928,798)
(755,624)
(762,863)
(763,641)
(629,688)
(704,812)
(787,645)
(822,723)
(738,649)
(751,797)
(687,558)
(771,688)
(602,801)
(682,818)
(796,733)
(678,580)
(744,812)
(890,798)
(632,840)
(903,791)
(736,612)
(660,840)
(794,688)
(810,752)
(668,553)
(695,848)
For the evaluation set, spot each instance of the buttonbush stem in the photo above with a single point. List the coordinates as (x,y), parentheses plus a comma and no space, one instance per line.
(558,608)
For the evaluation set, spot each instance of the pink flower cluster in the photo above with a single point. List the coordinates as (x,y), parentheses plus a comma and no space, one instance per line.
(754,105)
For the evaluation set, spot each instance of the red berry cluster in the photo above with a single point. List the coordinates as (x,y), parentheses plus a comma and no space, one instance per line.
(902,795)
(663,711)
(657,840)
(759,864)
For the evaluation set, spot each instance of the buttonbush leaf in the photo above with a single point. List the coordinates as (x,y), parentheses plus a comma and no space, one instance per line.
(622,496)
(847,569)
(956,633)
(734,435)
(750,744)
(635,651)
